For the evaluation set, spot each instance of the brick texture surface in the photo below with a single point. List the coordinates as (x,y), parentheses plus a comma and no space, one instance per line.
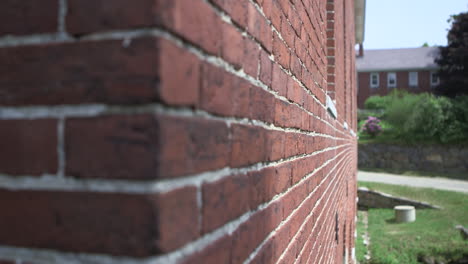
(175,130)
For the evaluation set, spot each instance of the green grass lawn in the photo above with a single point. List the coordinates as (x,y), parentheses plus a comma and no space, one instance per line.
(360,247)
(432,234)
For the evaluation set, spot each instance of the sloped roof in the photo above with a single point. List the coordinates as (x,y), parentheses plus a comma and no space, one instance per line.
(398,59)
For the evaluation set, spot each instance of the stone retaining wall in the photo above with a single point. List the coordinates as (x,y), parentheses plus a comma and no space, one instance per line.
(443,159)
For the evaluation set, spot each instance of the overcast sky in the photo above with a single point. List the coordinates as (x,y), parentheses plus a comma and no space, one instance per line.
(409,23)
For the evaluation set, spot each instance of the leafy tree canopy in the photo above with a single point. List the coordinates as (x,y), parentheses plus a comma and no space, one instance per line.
(453,59)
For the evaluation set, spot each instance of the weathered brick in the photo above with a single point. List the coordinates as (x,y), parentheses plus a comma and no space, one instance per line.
(223,93)
(251,233)
(281,52)
(29,147)
(232,48)
(265,68)
(110,223)
(86,16)
(218,252)
(267,183)
(179,75)
(236,9)
(225,200)
(262,105)
(28,17)
(258,27)
(144,146)
(191,20)
(251,58)
(280,81)
(248,145)
(83,72)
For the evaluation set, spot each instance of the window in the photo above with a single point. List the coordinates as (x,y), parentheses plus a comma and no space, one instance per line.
(413,79)
(434,79)
(391,80)
(374,80)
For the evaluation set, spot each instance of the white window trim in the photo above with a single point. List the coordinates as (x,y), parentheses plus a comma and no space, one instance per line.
(378,80)
(388,80)
(432,79)
(416,83)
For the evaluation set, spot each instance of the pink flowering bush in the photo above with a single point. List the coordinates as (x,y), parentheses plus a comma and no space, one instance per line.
(372,126)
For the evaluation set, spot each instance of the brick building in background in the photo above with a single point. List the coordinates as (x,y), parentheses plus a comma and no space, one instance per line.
(381,71)
(178,131)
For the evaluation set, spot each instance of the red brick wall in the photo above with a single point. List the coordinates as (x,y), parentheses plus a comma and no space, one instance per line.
(175,131)
(364,90)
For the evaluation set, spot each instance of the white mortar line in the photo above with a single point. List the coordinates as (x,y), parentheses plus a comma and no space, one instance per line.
(44,256)
(283,222)
(127,35)
(292,240)
(309,238)
(328,229)
(61,147)
(62,14)
(35,39)
(95,110)
(52,182)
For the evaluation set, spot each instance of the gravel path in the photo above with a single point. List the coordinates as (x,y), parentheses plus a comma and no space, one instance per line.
(425,182)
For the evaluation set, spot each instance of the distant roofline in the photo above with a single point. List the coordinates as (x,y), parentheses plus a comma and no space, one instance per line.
(397,69)
(403,48)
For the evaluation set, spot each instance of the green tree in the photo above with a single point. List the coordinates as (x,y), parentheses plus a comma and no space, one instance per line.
(453,59)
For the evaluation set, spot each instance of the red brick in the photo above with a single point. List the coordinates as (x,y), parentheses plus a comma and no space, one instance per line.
(295,21)
(262,105)
(251,58)
(86,16)
(191,20)
(179,75)
(281,52)
(295,91)
(29,147)
(252,232)
(265,68)
(215,253)
(296,67)
(267,183)
(225,200)
(275,145)
(276,14)
(109,223)
(248,145)
(223,93)
(288,34)
(258,27)
(83,72)
(236,9)
(266,7)
(274,247)
(232,48)
(280,81)
(281,113)
(144,146)
(28,17)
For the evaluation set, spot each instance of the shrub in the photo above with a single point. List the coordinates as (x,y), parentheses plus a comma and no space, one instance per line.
(372,126)
(427,118)
(399,110)
(376,102)
(455,128)
(422,117)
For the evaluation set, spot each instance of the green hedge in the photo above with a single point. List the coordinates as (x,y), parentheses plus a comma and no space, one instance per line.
(423,117)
